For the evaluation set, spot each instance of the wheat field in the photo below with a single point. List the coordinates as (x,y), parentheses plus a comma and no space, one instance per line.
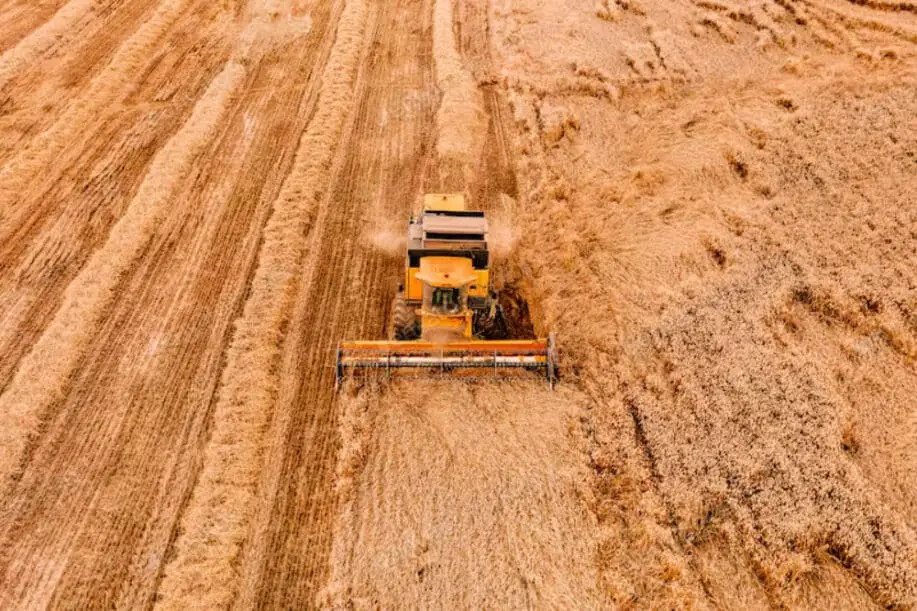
(711,203)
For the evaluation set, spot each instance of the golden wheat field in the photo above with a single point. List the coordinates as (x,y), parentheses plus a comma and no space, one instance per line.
(712,203)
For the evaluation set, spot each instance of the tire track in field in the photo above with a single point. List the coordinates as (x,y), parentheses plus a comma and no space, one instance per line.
(105,89)
(347,288)
(66,24)
(496,174)
(20,17)
(460,121)
(146,385)
(217,518)
(71,209)
(43,374)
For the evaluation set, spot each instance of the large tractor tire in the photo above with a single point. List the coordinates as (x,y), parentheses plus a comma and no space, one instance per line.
(404,320)
(490,323)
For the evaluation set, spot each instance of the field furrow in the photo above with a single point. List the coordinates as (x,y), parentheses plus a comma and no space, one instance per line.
(88,189)
(215,228)
(709,203)
(224,497)
(18,18)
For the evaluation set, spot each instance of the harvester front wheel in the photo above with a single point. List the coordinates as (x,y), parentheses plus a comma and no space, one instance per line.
(404,320)
(490,323)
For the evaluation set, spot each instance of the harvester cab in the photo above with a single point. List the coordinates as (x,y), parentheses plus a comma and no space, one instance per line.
(446,318)
(444,310)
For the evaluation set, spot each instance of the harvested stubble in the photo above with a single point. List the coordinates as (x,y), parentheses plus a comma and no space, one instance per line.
(713,207)
(216,521)
(43,374)
(105,89)
(30,48)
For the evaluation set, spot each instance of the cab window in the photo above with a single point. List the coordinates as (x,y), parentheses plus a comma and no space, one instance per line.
(446,300)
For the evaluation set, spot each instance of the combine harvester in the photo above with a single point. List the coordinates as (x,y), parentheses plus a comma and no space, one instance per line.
(446,319)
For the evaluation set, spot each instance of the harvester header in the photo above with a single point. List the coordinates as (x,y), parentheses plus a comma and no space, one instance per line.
(446,317)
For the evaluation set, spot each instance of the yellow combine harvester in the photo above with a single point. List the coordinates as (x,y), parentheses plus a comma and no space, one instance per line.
(446,319)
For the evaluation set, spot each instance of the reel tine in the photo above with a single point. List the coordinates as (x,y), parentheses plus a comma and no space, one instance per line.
(500,359)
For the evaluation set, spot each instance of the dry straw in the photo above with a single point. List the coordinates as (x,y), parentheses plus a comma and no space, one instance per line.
(741,422)
(203,572)
(44,373)
(464,497)
(108,86)
(460,120)
(31,47)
